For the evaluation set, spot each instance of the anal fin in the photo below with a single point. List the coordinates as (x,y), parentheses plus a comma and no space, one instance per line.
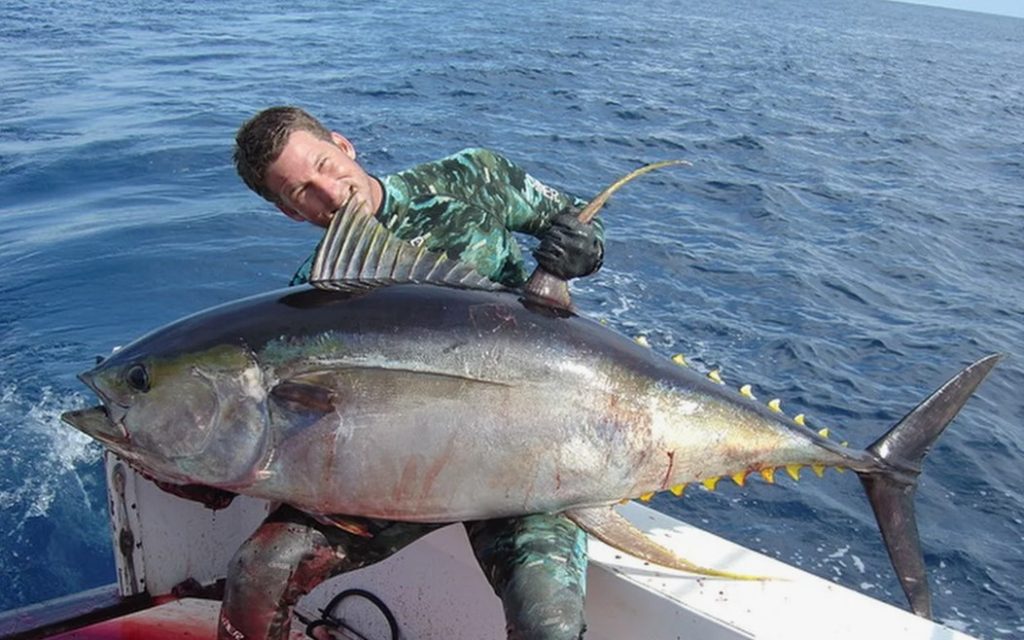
(611,528)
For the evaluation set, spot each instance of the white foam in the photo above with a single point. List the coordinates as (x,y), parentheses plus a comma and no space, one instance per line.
(59,448)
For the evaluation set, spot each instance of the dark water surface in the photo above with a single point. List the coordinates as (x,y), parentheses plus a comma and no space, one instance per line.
(851,234)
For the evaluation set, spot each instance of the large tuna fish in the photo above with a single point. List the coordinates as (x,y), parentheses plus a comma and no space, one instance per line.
(407,387)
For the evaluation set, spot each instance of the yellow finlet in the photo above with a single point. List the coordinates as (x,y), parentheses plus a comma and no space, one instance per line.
(775,405)
(624,501)
(740,478)
(710,483)
(678,490)
(819,470)
(716,376)
(823,433)
(800,419)
(793,470)
(647,496)
(747,392)
(680,360)
(768,474)
(642,341)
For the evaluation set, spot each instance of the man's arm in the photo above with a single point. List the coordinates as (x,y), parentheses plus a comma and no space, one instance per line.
(568,248)
(302,274)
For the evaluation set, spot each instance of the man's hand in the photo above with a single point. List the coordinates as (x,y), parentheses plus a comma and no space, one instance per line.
(570,248)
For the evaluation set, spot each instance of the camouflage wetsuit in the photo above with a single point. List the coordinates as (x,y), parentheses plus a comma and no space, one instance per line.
(468,205)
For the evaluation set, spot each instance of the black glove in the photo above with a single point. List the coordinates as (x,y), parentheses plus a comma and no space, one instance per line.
(570,248)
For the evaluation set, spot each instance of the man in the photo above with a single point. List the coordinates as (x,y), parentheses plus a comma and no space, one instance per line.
(467,205)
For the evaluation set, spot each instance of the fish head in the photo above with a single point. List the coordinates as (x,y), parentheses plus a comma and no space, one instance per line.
(188,417)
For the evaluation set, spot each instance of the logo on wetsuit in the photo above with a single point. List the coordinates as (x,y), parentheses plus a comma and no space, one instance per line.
(541,188)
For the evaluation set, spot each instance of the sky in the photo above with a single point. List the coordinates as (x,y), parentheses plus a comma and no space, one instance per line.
(1001,7)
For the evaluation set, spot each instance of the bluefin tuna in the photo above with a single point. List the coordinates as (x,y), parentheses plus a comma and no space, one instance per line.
(402,385)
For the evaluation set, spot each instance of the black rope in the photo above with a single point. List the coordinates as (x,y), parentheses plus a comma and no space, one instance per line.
(329,621)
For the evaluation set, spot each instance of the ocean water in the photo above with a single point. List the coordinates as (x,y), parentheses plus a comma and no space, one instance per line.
(850,235)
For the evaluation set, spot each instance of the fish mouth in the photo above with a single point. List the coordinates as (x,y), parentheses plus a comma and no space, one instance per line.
(97,423)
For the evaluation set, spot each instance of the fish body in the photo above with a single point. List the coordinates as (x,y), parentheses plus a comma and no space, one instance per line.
(430,403)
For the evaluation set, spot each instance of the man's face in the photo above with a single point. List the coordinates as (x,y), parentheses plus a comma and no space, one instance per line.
(313,178)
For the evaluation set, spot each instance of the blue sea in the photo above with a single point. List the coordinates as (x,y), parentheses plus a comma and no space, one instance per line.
(850,235)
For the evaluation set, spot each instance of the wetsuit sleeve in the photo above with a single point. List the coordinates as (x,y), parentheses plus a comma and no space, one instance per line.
(302,275)
(527,203)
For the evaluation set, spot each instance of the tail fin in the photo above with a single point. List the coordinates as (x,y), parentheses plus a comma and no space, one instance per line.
(891,491)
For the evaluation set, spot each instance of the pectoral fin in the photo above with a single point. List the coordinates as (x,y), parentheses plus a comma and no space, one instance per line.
(611,528)
(304,396)
(303,401)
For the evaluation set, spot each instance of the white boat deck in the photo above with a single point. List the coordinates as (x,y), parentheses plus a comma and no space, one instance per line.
(436,590)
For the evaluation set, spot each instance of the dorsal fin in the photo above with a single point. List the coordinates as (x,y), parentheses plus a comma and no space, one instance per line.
(548,290)
(358,250)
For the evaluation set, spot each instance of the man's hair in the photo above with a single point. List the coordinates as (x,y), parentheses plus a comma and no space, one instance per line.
(261,139)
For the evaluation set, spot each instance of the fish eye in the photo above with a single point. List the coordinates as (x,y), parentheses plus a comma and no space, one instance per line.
(137,377)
